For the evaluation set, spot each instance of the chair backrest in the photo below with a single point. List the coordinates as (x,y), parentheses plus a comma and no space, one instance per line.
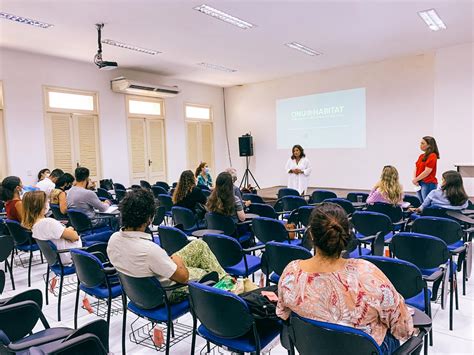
(172,239)
(352,196)
(57,212)
(144,292)
(328,338)
(82,344)
(370,223)
(166,201)
(304,212)
(218,310)
(220,222)
(252,198)
(106,184)
(203,187)
(425,251)
(268,229)
(6,247)
(103,193)
(446,229)
(394,212)
(79,220)
(118,186)
(49,251)
(435,212)
(184,216)
(279,255)
(145,184)
(404,276)
(20,235)
(227,250)
(159,217)
(319,196)
(263,210)
(413,200)
(89,269)
(286,191)
(98,327)
(163,184)
(158,190)
(120,194)
(345,204)
(291,203)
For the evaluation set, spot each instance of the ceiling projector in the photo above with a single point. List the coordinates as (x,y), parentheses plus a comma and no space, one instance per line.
(102,64)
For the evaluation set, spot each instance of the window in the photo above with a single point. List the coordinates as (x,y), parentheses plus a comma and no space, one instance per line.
(3,144)
(199,135)
(146,127)
(72,130)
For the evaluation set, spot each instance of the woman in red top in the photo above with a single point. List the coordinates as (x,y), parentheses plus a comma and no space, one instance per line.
(425,171)
(10,193)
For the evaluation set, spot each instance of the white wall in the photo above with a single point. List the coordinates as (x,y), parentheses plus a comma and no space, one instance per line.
(407,98)
(24,74)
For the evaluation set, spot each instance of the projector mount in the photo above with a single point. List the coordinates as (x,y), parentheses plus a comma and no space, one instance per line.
(102,64)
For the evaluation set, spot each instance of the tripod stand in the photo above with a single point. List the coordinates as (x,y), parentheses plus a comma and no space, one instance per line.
(245,178)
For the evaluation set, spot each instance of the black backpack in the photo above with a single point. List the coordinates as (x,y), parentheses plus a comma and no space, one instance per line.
(260,306)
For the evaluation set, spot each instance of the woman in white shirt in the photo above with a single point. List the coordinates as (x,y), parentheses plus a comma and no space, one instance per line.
(43,228)
(298,168)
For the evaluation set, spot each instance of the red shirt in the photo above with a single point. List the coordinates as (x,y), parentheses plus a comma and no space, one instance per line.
(11,210)
(429,163)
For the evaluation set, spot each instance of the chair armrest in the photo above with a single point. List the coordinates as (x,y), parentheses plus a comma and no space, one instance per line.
(103,216)
(109,270)
(410,346)
(35,342)
(296,230)
(175,286)
(400,223)
(458,250)
(434,276)
(61,251)
(254,248)
(244,223)
(367,238)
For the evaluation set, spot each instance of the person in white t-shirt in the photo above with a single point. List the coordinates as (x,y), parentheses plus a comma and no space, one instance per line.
(48,184)
(43,228)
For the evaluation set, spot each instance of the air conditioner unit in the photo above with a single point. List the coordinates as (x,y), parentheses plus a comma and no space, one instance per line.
(126,86)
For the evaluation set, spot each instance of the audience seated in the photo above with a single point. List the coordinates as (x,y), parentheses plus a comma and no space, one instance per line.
(133,252)
(80,198)
(237,192)
(10,190)
(188,195)
(223,200)
(43,228)
(388,189)
(49,182)
(43,173)
(202,175)
(58,195)
(350,292)
(450,196)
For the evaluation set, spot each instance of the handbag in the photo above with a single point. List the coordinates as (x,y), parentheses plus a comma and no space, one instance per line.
(260,306)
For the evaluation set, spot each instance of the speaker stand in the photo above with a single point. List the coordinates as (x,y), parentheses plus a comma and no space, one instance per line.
(246,178)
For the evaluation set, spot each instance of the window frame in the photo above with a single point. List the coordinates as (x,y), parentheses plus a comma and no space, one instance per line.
(48,108)
(210,119)
(161,116)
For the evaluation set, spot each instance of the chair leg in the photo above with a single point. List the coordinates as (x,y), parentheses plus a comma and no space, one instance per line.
(109,306)
(451,290)
(456,290)
(193,337)
(59,296)
(47,284)
(124,322)
(464,276)
(76,307)
(208,346)
(41,255)
(10,268)
(29,268)
(168,336)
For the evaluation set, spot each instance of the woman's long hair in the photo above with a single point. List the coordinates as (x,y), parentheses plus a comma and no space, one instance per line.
(300,148)
(389,186)
(186,183)
(453,188)
(222,197)
(8,186)
(432,147)
(199,168)
(33,207)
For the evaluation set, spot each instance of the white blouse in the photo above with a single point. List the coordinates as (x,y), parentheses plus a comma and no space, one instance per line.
(298,181)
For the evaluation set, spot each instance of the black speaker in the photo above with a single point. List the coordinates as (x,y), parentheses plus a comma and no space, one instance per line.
(246,146)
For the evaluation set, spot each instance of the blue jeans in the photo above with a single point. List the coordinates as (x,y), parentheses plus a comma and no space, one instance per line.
(426,188)
(390,344)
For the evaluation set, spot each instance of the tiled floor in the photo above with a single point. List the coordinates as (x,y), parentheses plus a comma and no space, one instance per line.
(458,341)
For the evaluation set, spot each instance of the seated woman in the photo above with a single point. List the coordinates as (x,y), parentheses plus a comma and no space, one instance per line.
(388,189)
(58,195)
(34,209)
(43,173)
(133,252)
(451,195)
(350,292)
(202,175)
(10,190)
(222,199)
(188,195)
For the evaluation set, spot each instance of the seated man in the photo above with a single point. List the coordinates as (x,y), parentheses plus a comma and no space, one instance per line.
(49,182)
(133,252)
(80,198)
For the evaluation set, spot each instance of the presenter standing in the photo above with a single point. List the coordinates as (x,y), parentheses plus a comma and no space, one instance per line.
(425,171)
(298,168)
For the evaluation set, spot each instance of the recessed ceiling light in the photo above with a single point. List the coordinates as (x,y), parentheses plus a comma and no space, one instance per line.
(432,19)
(111,42)
(301,48)
(221,15)
(24,20)
(217,67)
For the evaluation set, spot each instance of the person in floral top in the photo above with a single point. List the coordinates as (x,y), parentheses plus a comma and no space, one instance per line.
(349,292)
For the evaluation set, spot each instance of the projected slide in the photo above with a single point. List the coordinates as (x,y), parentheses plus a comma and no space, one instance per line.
(328,120)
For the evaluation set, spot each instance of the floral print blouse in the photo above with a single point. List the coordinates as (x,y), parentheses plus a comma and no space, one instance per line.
(358,296)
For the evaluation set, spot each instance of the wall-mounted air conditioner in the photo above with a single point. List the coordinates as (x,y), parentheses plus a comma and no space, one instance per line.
(131,87)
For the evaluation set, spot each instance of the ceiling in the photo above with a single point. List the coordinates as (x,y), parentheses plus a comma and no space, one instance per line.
(347,32)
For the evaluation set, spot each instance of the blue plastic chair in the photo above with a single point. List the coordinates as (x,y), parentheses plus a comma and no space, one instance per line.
(368,225)
(254,198)
(218,310)
(83,225)
(185,217)
(319,196)
(352,196)
(287,192)
(345,204)
(226,223)
(263,210)
(172,239)
(268,229)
